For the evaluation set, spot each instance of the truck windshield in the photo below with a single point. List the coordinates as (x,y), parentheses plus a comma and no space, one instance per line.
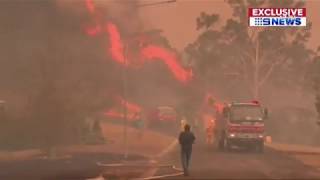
(246,113)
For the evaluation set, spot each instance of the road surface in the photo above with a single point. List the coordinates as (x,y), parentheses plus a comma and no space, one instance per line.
(78,167)
(211,164)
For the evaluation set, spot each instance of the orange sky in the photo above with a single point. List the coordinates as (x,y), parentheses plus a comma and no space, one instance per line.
(177,20)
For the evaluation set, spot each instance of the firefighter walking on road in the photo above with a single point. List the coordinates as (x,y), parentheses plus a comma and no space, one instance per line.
(186,140)
(183,123)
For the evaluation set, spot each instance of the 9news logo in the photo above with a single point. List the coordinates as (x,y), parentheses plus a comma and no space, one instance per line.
(284,17)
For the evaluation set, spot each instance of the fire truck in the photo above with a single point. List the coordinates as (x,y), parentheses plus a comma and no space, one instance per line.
(242,125)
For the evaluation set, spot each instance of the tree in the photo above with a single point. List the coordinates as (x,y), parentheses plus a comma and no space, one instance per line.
(254,55)
(205,21)
(315,78)
(317,105)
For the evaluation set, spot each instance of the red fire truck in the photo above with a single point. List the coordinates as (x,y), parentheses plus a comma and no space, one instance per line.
(242,125)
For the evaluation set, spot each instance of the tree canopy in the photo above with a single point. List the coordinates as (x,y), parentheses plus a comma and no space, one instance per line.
(252,56)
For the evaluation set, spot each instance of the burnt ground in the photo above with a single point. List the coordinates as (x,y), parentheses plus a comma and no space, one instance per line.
(241,164)
(77,167)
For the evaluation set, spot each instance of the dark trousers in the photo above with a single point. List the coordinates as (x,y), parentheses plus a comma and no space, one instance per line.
(185,159)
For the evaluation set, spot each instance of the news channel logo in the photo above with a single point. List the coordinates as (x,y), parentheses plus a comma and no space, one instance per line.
(270,17)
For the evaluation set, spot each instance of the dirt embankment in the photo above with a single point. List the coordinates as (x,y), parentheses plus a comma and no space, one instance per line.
(148,143)
(82,161)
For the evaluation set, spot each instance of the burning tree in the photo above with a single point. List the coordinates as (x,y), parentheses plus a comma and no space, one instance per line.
(146,57)
(251,55)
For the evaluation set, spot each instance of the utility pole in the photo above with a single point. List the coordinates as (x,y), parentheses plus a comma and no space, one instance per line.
(157,3)
(124,80)
(125,111)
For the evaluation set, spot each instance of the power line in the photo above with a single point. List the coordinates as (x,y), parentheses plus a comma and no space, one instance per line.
(157,3)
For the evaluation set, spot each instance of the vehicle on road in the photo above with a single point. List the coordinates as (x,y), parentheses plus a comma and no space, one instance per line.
(163,116)
(242,125)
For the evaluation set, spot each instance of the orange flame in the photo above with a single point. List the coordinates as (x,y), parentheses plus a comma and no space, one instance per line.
(90,6)
(116,48)
(219,107)
(130,106)
(149,53)
(154,52)
(132,109)
(93,31)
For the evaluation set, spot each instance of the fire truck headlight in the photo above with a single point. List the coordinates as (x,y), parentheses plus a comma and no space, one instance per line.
(261,136)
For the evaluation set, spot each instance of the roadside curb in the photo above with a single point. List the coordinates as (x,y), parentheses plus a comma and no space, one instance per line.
(162,176)
(289,151)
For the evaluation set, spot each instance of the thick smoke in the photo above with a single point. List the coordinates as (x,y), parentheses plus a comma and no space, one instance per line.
(54,74)
(132,45)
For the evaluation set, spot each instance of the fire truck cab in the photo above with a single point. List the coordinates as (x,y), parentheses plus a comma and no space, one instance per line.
(242,125)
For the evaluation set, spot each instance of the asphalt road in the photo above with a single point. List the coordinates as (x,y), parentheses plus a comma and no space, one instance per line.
(78,167)
(240,164)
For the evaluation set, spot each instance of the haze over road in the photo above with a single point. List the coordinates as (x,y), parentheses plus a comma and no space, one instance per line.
(210,164)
